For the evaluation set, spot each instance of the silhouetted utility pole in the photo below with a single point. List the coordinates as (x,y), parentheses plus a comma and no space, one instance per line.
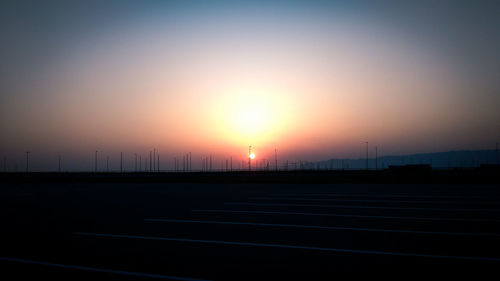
(158,163)
(367,155)
(140,162)
(95,162)
(27,160)
(376,158)
(276,158)
(154,159)
(249,158)
(107,164)
(121,162)
(497,154)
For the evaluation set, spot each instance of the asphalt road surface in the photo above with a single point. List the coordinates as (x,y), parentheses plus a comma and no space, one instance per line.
(181,231)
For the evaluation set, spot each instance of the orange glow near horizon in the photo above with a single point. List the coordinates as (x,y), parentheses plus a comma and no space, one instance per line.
(313,88)
(251,115)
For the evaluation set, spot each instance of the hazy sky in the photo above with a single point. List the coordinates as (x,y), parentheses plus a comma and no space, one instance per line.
(316,79)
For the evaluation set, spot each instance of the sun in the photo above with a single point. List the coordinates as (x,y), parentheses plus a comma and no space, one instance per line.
(251,115)
(252,155)
(251,118)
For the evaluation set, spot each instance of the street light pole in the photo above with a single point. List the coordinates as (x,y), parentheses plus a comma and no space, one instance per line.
(366,155)
(249,158)
(27,160)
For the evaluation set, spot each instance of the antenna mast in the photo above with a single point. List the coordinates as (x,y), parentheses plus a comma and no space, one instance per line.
(249,158)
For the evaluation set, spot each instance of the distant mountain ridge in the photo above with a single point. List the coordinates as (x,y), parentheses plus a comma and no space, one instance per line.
(437,160)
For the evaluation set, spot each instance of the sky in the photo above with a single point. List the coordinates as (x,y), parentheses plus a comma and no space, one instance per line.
(312,79)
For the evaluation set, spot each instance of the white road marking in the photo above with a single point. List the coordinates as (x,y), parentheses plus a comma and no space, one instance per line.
(326,227)
(284,246)
(368,200)
(344,215)
(95,269)
(381,195)
(359,207)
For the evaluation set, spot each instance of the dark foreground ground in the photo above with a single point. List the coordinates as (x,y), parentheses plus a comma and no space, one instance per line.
(233,231)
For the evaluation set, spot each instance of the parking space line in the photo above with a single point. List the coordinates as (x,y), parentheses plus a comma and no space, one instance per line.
(381,195)
(358,207)
(95,269)
(326,227)
(343,215)
(366,200)
(285,246)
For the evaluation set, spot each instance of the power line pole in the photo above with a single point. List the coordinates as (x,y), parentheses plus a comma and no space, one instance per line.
(276,158)
(27,160)
(249,158)
(366,155)
(497,155)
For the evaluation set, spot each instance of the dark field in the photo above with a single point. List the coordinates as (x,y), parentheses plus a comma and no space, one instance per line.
(235,231)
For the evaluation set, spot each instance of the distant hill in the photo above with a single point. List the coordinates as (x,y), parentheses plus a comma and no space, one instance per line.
(438,160)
